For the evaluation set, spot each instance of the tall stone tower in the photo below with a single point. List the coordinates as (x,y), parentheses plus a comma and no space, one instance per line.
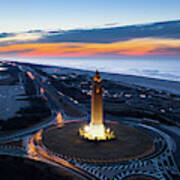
(96,129)
(96,100)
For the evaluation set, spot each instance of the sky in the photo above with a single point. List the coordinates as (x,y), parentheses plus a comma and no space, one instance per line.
(23,15)
(78,28)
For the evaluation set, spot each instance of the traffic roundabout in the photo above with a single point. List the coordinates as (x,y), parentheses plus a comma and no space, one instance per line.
(130,143)
(137,151)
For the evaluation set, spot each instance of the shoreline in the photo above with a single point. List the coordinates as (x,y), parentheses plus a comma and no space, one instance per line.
(164,70)
(148,82)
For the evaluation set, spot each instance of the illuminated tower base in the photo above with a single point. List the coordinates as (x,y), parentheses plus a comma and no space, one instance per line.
(96,132)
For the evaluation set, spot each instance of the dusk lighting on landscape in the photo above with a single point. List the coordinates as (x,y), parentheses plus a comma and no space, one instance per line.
(90,90)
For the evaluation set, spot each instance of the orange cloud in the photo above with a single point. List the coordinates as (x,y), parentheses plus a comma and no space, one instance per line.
(135,47)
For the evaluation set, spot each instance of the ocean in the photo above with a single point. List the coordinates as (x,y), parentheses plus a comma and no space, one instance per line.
(168,69)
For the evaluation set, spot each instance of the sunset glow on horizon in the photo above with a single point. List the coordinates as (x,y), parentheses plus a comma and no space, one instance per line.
(135,47)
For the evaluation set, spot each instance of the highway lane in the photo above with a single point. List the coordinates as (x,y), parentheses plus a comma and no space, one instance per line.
(54,96)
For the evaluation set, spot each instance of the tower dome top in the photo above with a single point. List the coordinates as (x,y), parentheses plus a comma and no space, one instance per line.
(97,77)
